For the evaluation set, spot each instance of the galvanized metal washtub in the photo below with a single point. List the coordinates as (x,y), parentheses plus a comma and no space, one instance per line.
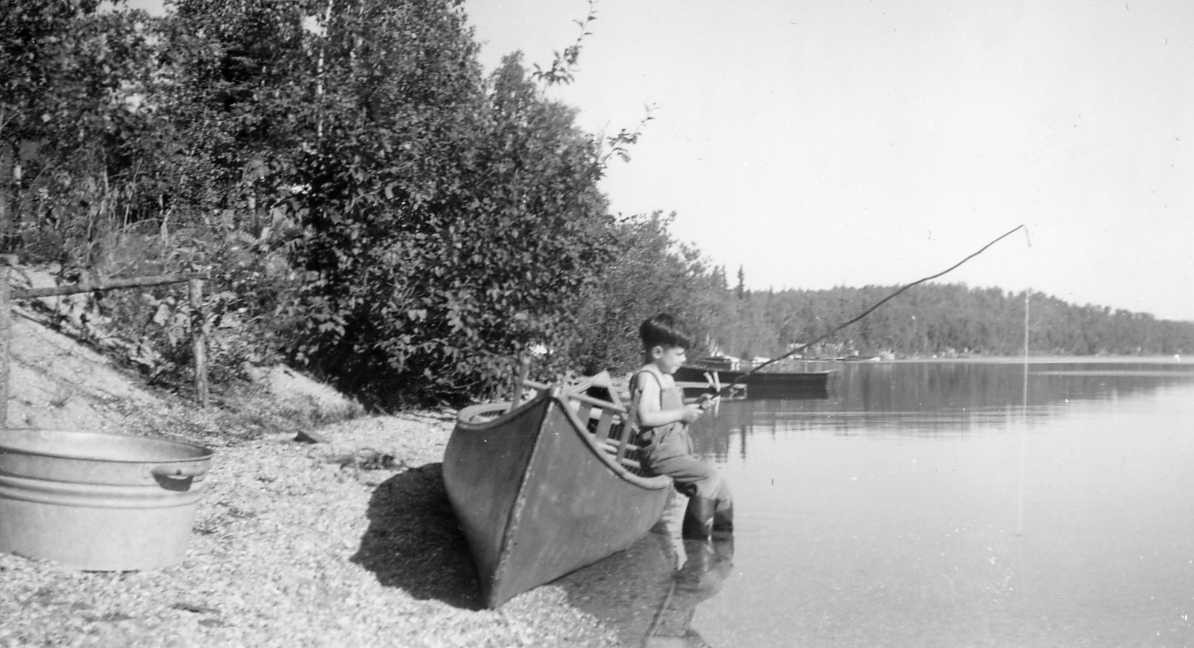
(97,501)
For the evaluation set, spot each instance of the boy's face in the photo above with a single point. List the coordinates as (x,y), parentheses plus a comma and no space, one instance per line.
(668,358)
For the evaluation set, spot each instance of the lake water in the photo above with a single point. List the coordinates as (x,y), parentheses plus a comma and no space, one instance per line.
(934,504)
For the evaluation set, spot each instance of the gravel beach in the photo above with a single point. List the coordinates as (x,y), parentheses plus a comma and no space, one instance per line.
(345,543)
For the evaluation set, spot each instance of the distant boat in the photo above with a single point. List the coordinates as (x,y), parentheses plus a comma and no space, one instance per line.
(546,488)
(764,384)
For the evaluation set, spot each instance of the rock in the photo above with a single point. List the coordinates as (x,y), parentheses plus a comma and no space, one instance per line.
(310,436)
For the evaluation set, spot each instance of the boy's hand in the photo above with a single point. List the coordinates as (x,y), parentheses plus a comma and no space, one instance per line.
(691,413)
(707,400)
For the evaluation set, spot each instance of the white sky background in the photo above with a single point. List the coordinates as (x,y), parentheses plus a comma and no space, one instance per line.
(851,143)
(823,143)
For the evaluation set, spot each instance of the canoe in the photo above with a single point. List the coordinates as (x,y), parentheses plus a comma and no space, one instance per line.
(544,489)
(765,384)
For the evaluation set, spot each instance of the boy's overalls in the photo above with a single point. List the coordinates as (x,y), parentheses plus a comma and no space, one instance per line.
(667,450)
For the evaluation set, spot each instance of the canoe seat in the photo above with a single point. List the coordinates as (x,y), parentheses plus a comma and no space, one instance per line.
(606,421)
(629,460)
(632,465)
(611,445)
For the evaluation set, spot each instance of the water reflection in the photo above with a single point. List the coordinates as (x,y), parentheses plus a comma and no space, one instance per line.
(932,398)
(650,592)
(933,387)
(705,569)
(935,505)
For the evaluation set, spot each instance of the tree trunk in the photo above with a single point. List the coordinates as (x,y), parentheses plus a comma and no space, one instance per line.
(8,166)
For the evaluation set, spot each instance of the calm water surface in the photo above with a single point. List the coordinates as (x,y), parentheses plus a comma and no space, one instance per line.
(934,504)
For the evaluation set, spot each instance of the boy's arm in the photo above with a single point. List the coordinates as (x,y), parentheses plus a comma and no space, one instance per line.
(651,415)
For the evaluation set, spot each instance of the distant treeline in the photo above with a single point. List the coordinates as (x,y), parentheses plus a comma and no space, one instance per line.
(940,319)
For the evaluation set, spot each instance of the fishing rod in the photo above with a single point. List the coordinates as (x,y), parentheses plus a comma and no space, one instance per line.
(741,379)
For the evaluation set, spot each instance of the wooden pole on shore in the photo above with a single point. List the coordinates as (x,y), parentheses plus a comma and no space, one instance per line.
(199,340)
(522,368)
(194,283)
(110,284)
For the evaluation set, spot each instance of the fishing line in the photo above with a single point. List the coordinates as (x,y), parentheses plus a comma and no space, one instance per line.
(877,304)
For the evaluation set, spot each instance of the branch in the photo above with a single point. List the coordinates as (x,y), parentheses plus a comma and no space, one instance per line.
(563,63)
(620,144)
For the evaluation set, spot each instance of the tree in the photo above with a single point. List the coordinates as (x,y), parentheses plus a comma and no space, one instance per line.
(70,77)
(450,221)
(651,273)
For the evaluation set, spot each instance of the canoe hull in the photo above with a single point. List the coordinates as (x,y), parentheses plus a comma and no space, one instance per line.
(538,498)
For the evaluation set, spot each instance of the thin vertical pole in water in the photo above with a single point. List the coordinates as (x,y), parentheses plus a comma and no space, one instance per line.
(1023,425)
(1026,307)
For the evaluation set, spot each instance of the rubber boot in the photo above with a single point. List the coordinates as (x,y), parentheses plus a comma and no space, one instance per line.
(707,564)
(723,520)
(698,518)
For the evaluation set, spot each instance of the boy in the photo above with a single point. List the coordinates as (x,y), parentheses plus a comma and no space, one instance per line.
(662,419)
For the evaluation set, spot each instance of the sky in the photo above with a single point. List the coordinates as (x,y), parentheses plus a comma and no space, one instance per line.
(833,143)
(828,143)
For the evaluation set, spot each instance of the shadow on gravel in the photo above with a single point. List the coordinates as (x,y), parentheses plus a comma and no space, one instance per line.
(413,541)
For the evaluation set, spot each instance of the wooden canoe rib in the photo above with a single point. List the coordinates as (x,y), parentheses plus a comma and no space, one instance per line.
(539,495)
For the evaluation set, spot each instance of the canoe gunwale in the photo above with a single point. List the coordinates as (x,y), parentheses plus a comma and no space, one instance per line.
(465,422)
(467,416)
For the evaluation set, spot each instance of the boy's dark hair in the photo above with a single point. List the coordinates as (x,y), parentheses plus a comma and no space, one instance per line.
(663,330)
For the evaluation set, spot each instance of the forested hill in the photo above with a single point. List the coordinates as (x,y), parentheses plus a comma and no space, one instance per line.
(940,319)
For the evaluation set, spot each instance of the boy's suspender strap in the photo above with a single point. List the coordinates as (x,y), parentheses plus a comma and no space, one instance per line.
(657,381)
(634,396)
